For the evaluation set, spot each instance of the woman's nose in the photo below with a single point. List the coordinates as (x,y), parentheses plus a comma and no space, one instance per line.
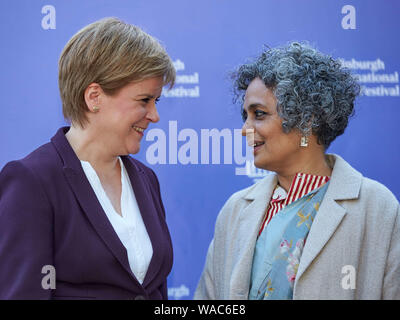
(248,132)
(247,128)
(153,115)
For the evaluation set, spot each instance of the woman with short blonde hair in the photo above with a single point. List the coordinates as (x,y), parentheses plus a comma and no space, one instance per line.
(89,210)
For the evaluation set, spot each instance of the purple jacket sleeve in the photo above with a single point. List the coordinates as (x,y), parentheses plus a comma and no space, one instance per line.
(26,234)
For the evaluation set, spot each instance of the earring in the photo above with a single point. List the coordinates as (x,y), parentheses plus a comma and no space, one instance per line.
(304,141)
(96,109)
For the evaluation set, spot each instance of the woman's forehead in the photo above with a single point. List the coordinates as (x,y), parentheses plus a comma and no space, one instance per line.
(257,94)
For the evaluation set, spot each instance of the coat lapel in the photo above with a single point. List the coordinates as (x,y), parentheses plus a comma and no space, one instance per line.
(87,198)
(150,217)
(328,218)
(345,184)
(249,225)
(96,215)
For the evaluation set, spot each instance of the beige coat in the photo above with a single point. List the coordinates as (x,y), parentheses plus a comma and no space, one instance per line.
(352,250)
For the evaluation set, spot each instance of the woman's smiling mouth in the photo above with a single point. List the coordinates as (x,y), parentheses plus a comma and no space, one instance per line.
(138,129)
(257,145)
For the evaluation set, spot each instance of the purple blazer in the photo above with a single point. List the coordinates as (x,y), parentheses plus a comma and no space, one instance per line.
(50,215)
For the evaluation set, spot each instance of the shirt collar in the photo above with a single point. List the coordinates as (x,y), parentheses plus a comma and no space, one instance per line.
(302,184)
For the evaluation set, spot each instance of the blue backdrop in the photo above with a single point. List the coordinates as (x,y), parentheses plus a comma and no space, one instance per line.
(202,163)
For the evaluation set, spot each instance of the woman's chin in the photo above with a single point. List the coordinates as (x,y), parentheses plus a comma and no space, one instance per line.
(133,149)
(261,163)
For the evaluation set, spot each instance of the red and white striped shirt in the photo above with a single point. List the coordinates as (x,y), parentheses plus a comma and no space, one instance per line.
(301,185)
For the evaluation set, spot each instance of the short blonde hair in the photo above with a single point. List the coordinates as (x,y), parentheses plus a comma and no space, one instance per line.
(113,54)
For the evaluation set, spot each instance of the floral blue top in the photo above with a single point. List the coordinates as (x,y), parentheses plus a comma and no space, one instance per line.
(279,248)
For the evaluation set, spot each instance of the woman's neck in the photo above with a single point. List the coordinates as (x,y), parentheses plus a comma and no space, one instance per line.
(314,164)
(88,147)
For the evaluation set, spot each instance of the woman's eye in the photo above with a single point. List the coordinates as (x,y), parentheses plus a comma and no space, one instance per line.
(259,113)
(147,100)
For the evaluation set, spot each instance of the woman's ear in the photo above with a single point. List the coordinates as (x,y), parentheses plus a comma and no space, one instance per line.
(92,96)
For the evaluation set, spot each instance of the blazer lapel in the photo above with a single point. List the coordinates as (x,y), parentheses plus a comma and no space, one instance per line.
(96,215)
(328,218)
(150,217)
(345,184)
(85,195)
(249,224)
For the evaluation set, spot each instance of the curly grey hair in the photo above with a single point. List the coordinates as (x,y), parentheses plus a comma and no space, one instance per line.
(315,94)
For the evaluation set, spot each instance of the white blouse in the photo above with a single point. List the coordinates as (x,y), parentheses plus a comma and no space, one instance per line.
(130,227)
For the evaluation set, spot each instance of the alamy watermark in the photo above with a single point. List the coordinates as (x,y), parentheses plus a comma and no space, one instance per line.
(178,292)
(49,280)
(209,146)
(49,20)
(349,280)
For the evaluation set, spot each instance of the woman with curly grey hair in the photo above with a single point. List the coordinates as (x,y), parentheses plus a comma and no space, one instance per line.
(315,228)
